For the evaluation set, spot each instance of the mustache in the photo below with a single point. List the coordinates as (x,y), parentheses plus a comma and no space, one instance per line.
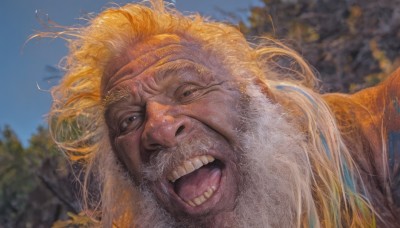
(165,160)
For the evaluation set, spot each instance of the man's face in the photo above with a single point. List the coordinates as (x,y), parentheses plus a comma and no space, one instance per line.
(172,113)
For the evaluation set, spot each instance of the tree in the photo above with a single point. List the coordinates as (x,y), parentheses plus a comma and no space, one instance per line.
(353,44)
(37,184)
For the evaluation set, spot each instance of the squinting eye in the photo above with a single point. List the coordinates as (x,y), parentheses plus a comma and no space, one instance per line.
(188,92)
(129,123)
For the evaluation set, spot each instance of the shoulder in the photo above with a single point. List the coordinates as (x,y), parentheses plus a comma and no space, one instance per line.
(375,111)
(392,126)
(374,114)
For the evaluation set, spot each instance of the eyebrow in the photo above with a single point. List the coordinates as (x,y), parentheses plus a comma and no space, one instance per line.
(162,73)
(179,67)
(115,97)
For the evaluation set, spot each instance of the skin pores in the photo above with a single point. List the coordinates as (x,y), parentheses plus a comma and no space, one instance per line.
(173,122)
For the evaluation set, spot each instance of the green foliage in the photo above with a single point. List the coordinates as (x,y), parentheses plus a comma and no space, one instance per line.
(353,44)
(15,176)
(36,186)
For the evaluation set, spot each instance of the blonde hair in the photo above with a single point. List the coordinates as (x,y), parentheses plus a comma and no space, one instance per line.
(78,127)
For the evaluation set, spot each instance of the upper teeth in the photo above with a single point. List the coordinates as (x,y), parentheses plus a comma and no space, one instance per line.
(189,166)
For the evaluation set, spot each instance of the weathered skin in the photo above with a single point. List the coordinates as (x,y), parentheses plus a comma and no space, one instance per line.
(196,100)
(367,119)
(184,124)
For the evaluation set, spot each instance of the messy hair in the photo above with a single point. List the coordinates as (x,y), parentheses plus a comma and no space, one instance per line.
(78,126)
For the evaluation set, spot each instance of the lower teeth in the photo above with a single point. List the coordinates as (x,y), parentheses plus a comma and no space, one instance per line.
(202,198)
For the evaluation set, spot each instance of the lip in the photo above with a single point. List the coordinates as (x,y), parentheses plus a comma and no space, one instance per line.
(166,190)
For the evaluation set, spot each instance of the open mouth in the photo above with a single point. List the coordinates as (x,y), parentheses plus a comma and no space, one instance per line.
(197,179)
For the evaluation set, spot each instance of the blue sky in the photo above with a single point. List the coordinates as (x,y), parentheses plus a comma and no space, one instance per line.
(24,94)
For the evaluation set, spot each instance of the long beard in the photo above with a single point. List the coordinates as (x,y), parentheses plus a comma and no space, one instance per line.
(275,188)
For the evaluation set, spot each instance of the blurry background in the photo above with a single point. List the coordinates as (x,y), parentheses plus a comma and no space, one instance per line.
(353,44)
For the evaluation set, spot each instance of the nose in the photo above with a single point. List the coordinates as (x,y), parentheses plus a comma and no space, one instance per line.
(164,127)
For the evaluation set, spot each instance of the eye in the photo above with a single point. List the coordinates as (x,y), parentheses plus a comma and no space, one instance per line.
(187,92)
(130,122)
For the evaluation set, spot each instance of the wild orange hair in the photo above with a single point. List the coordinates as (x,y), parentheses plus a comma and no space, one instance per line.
(77,123)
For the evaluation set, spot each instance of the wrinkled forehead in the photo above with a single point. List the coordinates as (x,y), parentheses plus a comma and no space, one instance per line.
(160,53)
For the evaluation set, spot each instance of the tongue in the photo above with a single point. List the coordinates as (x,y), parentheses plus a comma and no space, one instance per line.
(196,183)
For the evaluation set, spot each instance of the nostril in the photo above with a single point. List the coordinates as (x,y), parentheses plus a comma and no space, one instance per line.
(180,129)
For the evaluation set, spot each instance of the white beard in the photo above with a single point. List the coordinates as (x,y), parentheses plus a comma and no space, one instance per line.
(275,168)
(276,181)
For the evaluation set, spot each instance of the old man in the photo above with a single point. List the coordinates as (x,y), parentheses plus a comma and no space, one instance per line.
(183,123)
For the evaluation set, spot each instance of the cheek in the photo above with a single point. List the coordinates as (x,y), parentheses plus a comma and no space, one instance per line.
(221,113)
(128,151)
